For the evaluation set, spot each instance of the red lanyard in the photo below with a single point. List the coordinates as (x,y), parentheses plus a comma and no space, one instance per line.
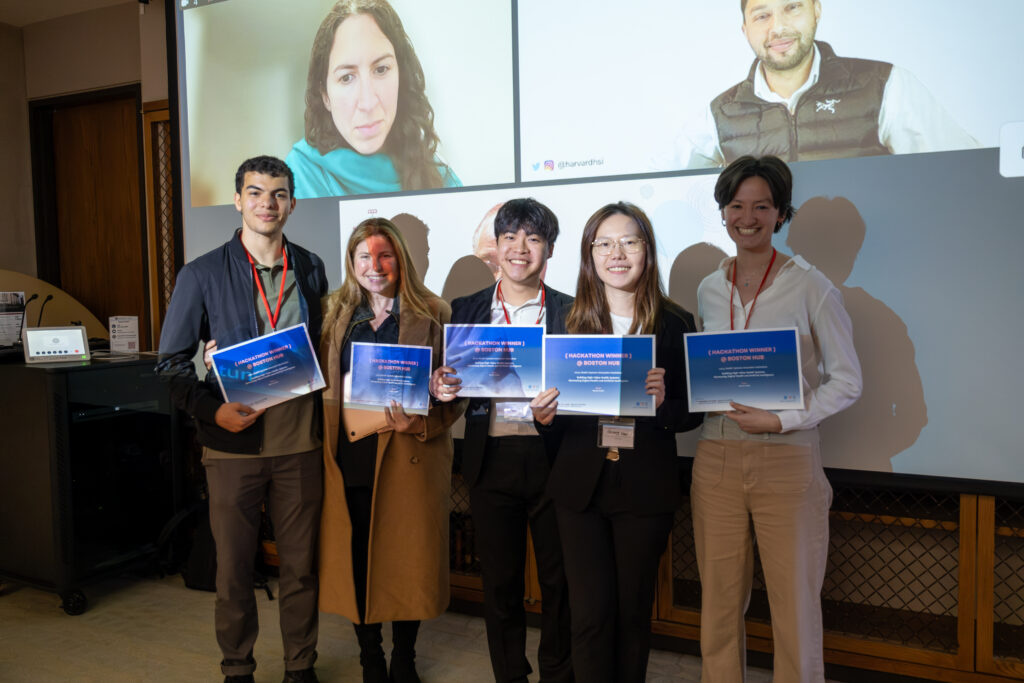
(508,320)
(272,317)
(732,289)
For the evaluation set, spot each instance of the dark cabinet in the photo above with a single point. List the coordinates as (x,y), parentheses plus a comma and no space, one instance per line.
(89,472)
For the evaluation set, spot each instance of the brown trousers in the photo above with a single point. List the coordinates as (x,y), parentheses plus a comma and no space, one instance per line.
(292,487)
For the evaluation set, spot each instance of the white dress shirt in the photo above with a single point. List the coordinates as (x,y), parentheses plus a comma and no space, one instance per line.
(801,297)
(514,418)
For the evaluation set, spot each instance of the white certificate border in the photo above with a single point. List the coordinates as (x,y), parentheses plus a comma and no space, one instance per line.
(347,384)
(498,397)
(272,401)
(719,407)
(544,369)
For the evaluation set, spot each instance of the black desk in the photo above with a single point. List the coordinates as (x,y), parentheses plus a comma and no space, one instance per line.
(89,471)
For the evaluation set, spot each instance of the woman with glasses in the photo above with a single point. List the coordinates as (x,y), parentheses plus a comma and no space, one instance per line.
(615,507)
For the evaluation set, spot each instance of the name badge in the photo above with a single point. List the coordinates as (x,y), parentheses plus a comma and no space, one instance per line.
(513,411)
(615,432)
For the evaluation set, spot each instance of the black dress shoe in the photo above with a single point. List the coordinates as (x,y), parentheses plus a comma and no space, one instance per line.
(301,676)
(242,678)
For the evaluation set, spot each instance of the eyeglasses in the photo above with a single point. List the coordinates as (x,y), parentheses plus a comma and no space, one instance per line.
(630,245)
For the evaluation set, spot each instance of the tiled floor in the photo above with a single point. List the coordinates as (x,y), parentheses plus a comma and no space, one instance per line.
(158,630)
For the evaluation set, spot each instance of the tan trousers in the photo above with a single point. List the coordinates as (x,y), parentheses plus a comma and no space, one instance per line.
(771,487)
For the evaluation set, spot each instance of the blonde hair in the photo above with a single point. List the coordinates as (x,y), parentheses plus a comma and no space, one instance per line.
(412,293)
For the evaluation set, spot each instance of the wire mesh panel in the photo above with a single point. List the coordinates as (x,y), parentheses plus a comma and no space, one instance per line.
(1008,583)
(892,572)
(685,578)
(461,535)
(164,202)
(893,567)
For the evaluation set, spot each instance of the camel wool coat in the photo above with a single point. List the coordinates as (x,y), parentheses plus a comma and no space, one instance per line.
(407,573)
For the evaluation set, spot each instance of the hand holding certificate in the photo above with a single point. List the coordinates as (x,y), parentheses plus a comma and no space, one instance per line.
(600,374)
(268,370)
(758,368)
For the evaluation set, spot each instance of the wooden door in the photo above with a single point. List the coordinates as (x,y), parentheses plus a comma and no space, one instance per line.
(98,215)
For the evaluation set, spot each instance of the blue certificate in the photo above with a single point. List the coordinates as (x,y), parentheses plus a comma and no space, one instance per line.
(382,373)
(496,361)
(759,368)
(600,374)
(268,370)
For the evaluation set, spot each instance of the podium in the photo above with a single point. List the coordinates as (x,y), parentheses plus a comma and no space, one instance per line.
(89,472)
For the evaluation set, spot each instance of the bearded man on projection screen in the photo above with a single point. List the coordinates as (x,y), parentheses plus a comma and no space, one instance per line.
(802,102)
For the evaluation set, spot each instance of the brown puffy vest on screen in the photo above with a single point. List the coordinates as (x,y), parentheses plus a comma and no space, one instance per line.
(836,117)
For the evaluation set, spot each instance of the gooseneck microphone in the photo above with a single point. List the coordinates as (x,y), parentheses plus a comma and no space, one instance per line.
(42,307)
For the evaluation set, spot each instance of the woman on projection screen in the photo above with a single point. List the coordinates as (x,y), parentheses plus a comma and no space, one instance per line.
(368,125)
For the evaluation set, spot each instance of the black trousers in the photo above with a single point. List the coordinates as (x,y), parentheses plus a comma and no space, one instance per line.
(360,507)
(611,560)
(507,497)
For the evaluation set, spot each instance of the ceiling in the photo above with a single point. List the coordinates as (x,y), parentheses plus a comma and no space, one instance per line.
(24,12)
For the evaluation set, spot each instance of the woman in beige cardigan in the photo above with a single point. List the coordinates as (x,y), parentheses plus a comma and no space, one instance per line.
(384,527)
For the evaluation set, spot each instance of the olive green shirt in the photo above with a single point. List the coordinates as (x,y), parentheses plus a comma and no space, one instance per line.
(288,427)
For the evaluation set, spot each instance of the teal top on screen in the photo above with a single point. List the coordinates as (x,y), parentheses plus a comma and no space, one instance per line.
(344,171)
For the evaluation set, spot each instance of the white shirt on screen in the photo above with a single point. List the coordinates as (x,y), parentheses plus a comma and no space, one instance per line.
(910,120)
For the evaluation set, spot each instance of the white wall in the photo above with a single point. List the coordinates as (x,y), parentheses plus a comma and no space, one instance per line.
(102,48)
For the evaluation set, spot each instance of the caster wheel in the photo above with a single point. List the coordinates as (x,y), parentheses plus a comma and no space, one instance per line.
(73,603)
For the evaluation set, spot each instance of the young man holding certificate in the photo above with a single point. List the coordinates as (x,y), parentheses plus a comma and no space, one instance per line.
(505,462)
(256,283)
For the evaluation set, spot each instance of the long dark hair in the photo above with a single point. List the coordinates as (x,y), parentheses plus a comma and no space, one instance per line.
(412,141)
(589,313)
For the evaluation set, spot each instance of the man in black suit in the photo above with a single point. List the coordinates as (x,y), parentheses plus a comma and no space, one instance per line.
(505,462)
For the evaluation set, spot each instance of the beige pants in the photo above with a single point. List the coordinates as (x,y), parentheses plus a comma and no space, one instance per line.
(770,486)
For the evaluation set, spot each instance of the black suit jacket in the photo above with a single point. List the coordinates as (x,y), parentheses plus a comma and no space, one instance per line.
(476,309)
(649,471)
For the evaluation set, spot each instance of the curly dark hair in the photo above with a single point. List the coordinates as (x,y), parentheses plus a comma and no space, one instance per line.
(271,166)
(412,142)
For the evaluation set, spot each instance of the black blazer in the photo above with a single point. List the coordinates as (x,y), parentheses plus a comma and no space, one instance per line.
(650,471)
(476,309)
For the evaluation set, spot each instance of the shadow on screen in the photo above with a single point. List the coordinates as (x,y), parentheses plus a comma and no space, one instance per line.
(417,237)
(891,412)
(469,274)
(692,265)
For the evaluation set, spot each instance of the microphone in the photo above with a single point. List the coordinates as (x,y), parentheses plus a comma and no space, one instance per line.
(42,307)
(24,309)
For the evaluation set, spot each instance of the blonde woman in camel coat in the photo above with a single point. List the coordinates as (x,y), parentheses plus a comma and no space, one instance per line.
(401,522)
